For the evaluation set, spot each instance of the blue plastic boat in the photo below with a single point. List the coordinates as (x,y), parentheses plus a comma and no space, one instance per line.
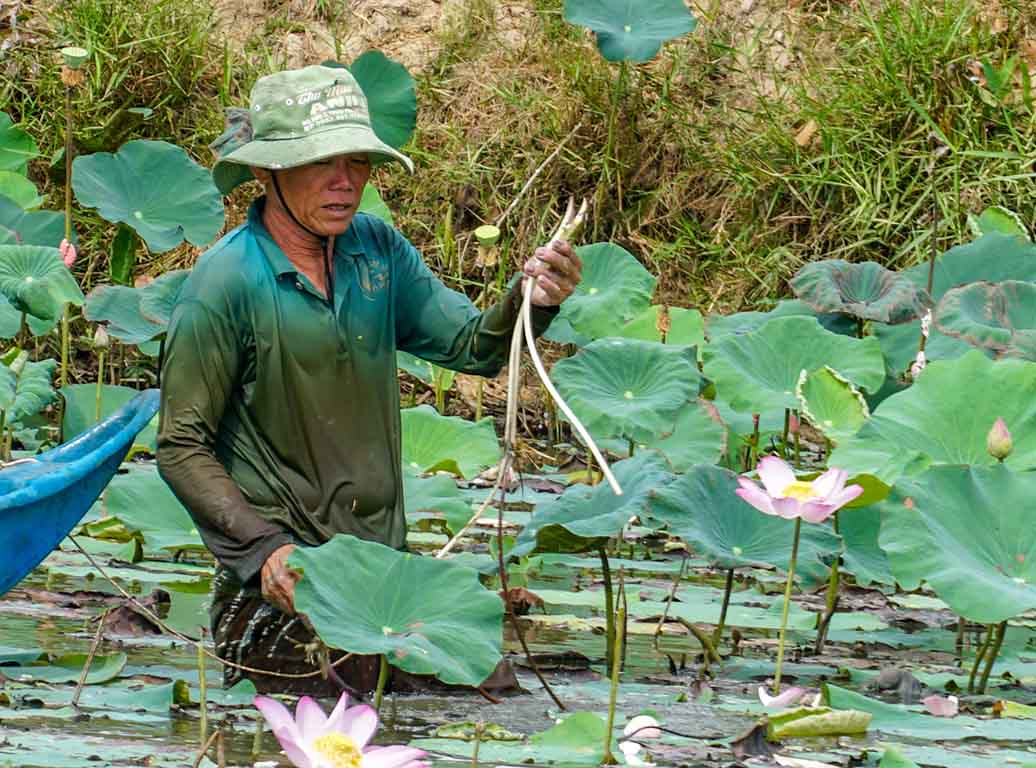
(42,500)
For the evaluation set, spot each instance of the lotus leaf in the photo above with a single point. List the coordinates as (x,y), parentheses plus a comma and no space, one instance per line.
(438,493)
(159,297)
(806,722)
(424,370)
(26,388)
(628,388)
(741,323)
(68,668)
(996,218)
(16,146)
(428,616)
(698,437)
(615,289)
(21,227)
(686,326)
(863,557)
(1000,317)
(866,290)
(944,419)
(583,518)
(140,499)
(36,281)
(703,510)
(136,315)
(431,440)
(994,257)
(760,371)
(153,187)
(631,30)
(19,189)
(391,96)
(966,532)
(81,409)
(10,319)
(831,403)
(372,203)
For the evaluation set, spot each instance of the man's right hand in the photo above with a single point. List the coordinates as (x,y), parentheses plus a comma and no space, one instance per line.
(278,580)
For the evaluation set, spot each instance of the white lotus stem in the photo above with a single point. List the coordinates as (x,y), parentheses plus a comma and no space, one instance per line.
(571,222)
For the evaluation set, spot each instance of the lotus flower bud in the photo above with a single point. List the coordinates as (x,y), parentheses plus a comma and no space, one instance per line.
(101,340)
(918,365)
(68,253)
(998,441)
(793,424)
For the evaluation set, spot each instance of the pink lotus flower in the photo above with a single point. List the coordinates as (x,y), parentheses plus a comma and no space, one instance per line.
(786,698)
(68,253)
(788,497)
(941,706)
(313,740)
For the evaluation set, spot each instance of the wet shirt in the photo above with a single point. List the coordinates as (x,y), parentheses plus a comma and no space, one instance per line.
(280,409)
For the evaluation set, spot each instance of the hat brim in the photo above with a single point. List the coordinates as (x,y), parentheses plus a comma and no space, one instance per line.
(278,154)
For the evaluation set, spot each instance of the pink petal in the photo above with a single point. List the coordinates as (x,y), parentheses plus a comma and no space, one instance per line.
(784,699)
(359,723)
(789,509)
(391,757)
(295,750)
(68,253)
(757,497)
(829,483)
(816,511)
(311,719)
(334,719)
(277,715)
(846,495)
(775,474)
(940,706)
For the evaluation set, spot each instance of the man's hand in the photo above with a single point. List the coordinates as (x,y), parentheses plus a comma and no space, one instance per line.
(278,580)
(559,270)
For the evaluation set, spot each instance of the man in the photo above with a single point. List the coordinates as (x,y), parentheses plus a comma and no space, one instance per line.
(280,406)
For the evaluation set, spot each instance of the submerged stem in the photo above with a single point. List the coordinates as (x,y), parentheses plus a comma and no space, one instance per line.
(784,610)
(619,621)
(1001,630)
(609,607)
(379,692)
(979,655)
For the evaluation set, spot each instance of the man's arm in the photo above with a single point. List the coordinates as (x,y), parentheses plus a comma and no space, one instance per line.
(200,372)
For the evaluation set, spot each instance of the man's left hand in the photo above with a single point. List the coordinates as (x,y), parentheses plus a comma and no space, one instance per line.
(559,270)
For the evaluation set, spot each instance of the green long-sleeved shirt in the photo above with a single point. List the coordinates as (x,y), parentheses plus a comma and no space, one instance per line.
(280,413)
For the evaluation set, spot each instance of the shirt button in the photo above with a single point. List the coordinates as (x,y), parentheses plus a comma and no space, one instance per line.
(298,284)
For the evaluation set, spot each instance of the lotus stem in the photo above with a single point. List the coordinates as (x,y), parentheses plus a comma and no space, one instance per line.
(859,327)
(479,728)
(257,740)
(717,635)
(89,659)
(609,607)
(1000,630)
(100,386)
(619,622)
(203,695)
(787,430)
(784,610)
(478,399)
(831,603)
(709,652)
(979,655)
(68,230)
(383,671)
(798,449)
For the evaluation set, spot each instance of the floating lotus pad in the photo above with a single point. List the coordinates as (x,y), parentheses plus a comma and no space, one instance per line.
(432,441)
(628,388)
(866,290)
(36,281)
(16,146)
(136,315)
(944,419)
(703,510)
(583,518)
(999,317)
(759,372)
(967,532)
(831,403)
(429,617)
(615,289)
(631,30)
(153,187)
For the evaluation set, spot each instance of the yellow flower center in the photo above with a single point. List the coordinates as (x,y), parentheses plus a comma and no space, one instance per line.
(801,490)
(338,750)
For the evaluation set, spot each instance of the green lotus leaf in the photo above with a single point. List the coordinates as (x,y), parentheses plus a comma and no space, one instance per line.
(372,203)
(437,493)
(21,227)
(69,668)
(140,499)
(628,388)
(863,556)
(10,319)
(153,187)
(631,30)
(615,289)
(136,315)
(584,517)
(159,297)
(967,532)
(760,371)
(996,218)
(80,411)
(831,403)
(424,370)
(430,440)
(866,290)
(698,437)
(808,722)
(944,419)
(1000,317)
(16,146)
(428,616)
(686,326)
(741,323)
(36,281)
(26,388)
(994,257)
(19,189)
(391,96)
(702,508)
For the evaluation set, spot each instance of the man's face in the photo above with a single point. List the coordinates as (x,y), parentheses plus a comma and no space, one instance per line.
(324,195)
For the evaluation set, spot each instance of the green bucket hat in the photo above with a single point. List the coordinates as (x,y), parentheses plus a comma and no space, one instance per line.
(296,117)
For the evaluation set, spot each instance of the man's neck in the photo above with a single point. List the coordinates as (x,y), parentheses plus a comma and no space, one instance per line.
(303,249)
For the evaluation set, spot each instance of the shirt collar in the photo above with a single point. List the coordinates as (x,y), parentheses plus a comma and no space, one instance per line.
(346,244)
